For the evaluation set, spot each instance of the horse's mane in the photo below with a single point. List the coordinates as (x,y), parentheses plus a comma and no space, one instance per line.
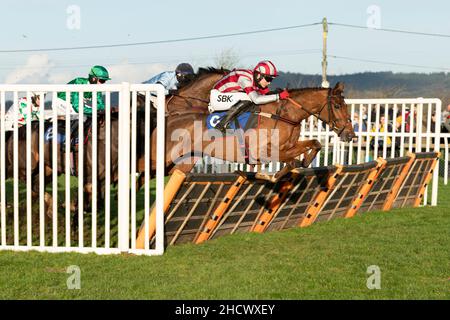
(202,72)
(209,70)
(306,89)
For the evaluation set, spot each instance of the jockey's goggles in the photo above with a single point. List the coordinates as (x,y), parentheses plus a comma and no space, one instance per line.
(268,78)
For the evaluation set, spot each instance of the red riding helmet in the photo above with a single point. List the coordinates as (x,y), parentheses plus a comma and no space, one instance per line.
(266,68)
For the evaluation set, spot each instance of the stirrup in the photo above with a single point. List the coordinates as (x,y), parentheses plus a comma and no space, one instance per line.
(223,123)
(221,126)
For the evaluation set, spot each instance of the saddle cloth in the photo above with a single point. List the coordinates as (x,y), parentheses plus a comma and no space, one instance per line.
(245,121)
(219,101)
(61,137)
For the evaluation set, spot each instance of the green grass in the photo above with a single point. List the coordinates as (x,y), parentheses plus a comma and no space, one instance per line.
(87,218)
(324,261)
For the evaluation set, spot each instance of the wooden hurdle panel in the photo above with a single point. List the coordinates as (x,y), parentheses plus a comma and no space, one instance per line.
(383,186)
(414,185)
(301,192)
(346,186)
(372,179)
(248,206)
(190,203)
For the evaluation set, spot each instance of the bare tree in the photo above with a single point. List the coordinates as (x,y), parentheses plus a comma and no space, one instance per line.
(227,59)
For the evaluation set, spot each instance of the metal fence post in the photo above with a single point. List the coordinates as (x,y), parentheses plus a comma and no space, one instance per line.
(160,166)
(124,169)
(437,145)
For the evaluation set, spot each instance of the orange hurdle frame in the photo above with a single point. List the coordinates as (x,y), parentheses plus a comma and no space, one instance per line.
(365,189)
(314,209)
(397,185)
(220,210)
(170,191)
(426,181)
(274,204)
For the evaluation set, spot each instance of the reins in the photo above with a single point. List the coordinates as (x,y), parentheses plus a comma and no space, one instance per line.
(277,117)
(190,98)
(331,119)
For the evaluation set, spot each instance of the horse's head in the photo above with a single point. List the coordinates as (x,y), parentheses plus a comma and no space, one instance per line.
(335,113)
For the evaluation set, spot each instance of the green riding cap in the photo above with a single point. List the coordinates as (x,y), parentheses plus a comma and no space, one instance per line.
(99,72)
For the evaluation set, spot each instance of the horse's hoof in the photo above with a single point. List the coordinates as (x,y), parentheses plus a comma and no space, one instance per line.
(305,164)
(242,173)
(49,212)
(297,163)
(262,176)
(266,177)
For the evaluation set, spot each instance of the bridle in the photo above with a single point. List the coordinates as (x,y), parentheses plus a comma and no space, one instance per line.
(331,117)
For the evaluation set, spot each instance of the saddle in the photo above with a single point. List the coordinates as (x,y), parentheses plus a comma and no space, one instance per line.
(244,117)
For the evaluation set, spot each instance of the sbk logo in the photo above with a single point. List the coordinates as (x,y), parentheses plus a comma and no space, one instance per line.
(222,98)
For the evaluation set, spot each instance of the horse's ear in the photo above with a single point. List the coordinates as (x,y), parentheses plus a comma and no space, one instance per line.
(338,88)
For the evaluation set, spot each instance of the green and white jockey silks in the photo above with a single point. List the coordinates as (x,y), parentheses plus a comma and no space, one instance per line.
(87,98)
(22,116)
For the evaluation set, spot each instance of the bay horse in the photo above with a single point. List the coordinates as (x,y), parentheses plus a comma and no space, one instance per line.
(22,159)
(280,119)
(48,160)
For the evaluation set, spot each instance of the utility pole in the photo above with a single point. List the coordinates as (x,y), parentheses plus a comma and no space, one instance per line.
(325,83)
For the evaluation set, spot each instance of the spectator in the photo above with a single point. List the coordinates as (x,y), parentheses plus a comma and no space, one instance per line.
(381,138)
(356,123)
(446,119)
(433,122)
(23,110)
(356,127)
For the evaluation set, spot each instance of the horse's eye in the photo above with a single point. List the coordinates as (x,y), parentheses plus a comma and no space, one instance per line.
(337,106)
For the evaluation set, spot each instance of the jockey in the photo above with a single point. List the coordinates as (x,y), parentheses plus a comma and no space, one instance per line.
(255,83)
(97,75)
(173,80)
(23,110)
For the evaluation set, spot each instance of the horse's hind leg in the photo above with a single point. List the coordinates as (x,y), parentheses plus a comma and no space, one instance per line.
(35,193)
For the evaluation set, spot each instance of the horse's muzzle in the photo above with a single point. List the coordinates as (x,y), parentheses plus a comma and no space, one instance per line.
(347,135)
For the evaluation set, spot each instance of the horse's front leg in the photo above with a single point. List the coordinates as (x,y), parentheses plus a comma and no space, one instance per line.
(35,191)
(309,148)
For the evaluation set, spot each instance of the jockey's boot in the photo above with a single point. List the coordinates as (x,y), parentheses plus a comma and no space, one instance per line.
(235,111)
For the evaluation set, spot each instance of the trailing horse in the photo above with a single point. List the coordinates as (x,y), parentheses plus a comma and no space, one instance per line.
(61,152)
(191,98)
